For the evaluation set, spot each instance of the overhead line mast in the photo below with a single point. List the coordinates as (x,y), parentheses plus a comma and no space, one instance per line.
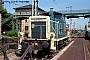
(70,18)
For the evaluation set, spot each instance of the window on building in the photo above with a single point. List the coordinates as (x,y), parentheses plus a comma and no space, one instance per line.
(29,13)
(26,21)
(23,13)
(26,27)
(17,13)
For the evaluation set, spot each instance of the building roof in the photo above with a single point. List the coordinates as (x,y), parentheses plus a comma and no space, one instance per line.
(27,7)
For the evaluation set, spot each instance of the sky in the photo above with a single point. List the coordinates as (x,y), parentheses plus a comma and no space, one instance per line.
(58,5)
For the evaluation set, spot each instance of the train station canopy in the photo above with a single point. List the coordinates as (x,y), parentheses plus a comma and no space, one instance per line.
(76,13)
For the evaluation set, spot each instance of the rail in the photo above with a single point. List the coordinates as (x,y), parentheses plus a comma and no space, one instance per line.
(28,50)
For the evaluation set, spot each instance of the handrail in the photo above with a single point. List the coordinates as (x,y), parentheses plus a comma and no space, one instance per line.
(4,48)
(29,49)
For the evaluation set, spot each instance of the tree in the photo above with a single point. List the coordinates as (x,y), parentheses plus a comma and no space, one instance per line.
(5,15)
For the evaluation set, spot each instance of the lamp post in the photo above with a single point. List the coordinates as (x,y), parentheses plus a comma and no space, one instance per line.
(77,24)
(70,18)
(15,9)
(16,19)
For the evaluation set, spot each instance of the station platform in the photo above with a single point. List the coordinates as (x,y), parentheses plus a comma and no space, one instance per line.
(76,50)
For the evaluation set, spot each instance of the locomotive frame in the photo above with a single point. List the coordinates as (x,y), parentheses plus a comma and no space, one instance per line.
(48,30)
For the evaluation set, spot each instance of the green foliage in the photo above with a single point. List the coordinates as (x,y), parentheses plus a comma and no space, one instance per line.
(12,33)
(5,15)
(8,25)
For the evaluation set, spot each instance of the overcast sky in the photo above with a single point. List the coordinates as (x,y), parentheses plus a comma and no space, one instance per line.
(58,5)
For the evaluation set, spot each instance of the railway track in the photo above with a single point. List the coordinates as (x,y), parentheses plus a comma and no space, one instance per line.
(87,45)
(13,56)
(49,57)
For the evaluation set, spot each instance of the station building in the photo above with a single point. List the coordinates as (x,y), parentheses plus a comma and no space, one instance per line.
(24,12)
